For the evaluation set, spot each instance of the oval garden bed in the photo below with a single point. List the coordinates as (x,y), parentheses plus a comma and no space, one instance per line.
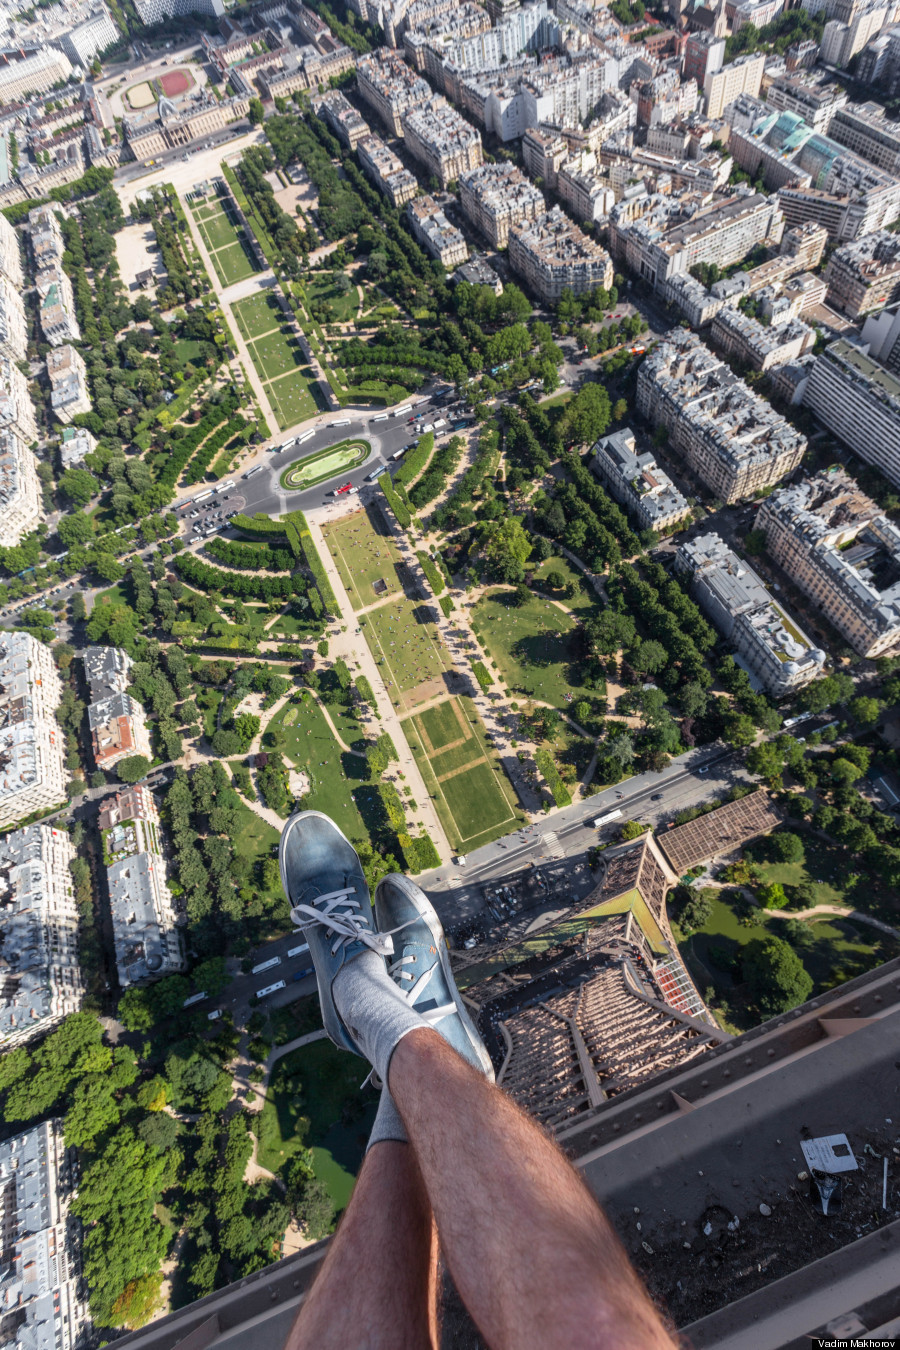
(324,464)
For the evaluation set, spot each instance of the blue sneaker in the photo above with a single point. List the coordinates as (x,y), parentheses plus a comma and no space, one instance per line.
(326,888)
(422,966)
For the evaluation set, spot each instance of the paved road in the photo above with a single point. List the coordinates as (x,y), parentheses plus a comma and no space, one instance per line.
(565,837)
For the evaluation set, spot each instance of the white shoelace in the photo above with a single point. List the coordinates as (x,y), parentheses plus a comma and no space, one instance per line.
(419,986)
(335,911)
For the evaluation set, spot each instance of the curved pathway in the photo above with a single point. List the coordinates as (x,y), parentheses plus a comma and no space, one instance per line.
(854,914)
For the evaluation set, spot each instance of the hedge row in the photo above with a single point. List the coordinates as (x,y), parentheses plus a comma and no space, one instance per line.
(243,586)
(301,541)
(416,460)
(418,854)
(403,517)
(387,747)
(561,794)
(219,439)
(188,444)
(435,580)
(364,691)
(254,557)
(258,524)
(482,675)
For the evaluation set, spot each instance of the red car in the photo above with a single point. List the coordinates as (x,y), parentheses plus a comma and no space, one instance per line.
(345,488)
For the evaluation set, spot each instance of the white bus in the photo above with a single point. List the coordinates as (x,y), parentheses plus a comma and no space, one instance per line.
(376,473)
(270,989)
(266,965)
(382,417)
(342,422)
(251,472)
(605,820)
(194,998)
(286,445)
(398,454)
(307,435)
(202,496)
(298,951)
(401,412)
(224,487)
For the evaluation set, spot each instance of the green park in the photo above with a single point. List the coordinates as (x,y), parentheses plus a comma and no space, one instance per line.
(325,464)
(225,240)
(473,797)
(277,354)
(366,556)
(533,645)
(405,642)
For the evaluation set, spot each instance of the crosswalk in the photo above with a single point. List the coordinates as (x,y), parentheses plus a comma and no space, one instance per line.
(554,847)
(455,883)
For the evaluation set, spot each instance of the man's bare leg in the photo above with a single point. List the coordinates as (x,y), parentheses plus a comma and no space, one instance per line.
(534,1258)
(377,1289)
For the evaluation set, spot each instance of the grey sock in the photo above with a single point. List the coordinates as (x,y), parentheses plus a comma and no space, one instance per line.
(388,1124)
(373,1010)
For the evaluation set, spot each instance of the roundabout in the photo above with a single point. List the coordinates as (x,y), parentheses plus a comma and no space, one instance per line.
(325,464)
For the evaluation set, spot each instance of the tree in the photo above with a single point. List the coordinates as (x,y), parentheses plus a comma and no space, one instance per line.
(79,486)
(256,112)
(648,658)
(772,896)
(866,711)
(107,568)
(844,770)
(786,847)
(137,1302)
(159,1130)
(135,1010)
(133,768)
(697,912)
(739,729)
(755,542)
(507,547)
(246,725)
(555,580)
(777,978)
(76,528)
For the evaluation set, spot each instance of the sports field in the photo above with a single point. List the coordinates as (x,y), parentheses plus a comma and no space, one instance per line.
(231,254)
(406,645)
(278,357)
(365,556)
(473,796)
(535,646)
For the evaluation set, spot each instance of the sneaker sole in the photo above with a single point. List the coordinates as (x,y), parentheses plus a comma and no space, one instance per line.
(434,927)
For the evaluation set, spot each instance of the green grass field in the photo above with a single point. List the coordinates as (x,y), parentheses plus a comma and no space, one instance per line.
(577,598)
(322,290)
(364,554)
(318,468)
(278,357)
(224,238)
(333,773)
(533,645)
(406,644)
(318,1084)
(473,797)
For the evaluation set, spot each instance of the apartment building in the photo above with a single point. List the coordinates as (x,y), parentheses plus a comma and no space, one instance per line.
(76,443)
(544,153)
(442,140)
(841,41)
(497,196)
(10,255)
(434,232)
(97,31)
(13,324)
(145,920)
(552,254)
(638,483)
(388,85)
(43,1291)
(741,76)
(837,546)
(117,721)
(69,393)
(704,54)
(38,933)
(583,187)
(865,274)
(865,129)
(769,644)
(813,96)
(32,744)
(21,499)
(56,305)
(760,345)
(154,11)
(16,407)
(659,236)
(859,400)
(732,439)
(664,98)
(342,117)
(386,171)
(31,72)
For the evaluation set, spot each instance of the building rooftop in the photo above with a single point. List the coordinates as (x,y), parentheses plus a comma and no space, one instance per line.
(502,189)
(556,240)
